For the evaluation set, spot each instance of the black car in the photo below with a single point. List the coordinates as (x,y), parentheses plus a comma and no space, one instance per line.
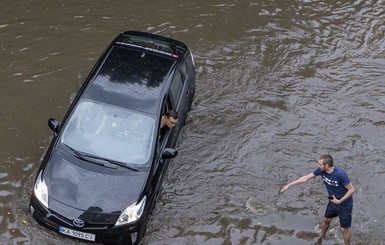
(102,173)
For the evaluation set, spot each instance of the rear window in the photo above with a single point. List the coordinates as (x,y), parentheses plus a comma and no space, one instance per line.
(128,74)
(149,43)
(126,66)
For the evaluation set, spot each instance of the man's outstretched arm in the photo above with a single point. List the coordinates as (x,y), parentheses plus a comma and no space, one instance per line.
(297,181)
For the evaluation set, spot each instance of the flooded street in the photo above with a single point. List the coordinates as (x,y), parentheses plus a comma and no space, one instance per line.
(279,83)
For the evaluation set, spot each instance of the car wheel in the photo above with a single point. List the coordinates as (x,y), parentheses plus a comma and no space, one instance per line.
(121,241)
(141,232)
(185,119)
(155,201)
(192,100)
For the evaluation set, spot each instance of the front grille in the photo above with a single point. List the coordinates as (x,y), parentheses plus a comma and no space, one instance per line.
(59,219)
(92,220)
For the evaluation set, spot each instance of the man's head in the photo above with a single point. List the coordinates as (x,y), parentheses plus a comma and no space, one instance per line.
(325,162)
(172,118)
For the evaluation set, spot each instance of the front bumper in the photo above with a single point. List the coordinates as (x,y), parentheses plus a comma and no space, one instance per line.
(106,234)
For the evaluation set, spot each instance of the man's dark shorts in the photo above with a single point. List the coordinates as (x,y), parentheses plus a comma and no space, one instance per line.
(343,211)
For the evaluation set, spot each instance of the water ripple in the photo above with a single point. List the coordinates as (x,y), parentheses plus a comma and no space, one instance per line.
(279,82)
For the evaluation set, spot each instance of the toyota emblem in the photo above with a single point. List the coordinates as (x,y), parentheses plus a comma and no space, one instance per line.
(78,223)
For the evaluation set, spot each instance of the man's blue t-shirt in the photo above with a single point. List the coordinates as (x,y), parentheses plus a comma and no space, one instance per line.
(335,182)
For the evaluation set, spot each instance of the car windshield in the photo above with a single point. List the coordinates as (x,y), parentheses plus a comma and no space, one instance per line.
(110,132)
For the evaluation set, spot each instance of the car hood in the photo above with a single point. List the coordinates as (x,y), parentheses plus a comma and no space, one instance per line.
(84,186)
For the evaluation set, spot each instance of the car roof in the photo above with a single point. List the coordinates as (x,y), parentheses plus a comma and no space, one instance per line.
(133,71)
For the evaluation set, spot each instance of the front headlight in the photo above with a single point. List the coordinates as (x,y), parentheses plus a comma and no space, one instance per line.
(132,213)
(41,190)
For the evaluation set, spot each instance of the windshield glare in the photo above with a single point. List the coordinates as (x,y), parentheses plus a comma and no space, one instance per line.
(110,132)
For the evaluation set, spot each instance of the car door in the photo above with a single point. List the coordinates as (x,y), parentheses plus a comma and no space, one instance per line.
(180,96)
(160,165)
(190,78)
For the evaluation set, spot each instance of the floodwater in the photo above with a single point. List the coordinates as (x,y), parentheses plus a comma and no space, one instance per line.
(278,84)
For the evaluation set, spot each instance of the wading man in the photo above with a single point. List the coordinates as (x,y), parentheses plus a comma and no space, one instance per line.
(340,191)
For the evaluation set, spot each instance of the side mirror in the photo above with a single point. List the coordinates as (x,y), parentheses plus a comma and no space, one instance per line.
(53,125)
(169,153)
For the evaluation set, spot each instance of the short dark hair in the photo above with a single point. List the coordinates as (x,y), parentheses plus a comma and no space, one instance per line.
(172,113)
(327,159)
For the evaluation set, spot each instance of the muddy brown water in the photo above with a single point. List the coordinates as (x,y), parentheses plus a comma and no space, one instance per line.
(278,84)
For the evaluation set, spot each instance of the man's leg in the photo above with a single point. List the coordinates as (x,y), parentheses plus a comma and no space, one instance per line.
(325,226)
(346,235)
(345,215)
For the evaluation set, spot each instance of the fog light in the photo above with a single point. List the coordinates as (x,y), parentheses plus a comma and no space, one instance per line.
(31,209)
(134,236)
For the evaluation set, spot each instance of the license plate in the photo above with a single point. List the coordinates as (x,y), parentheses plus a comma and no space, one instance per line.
(77,234)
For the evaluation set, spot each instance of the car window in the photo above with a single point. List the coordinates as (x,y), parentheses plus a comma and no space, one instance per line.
(189,61)
(110,132)
(130,77)
(183,68)
(149,43)
(163,132)
(176,87)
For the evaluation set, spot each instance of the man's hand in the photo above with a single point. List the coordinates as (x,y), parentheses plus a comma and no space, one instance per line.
(284,188)
(335,200)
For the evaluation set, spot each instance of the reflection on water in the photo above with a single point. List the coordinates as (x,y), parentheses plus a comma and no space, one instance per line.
(279,83)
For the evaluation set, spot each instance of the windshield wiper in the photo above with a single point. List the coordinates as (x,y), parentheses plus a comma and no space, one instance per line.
(122,165)
(86,158)
(112,162)
(105,162)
